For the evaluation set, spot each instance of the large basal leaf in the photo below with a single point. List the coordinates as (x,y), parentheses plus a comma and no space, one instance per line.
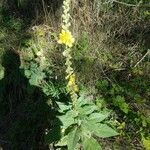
(91,144)
(68,119)
(98,117)
(63,107)
(73,138)
(98,129)
(87,109)
(103,131)
(82,100)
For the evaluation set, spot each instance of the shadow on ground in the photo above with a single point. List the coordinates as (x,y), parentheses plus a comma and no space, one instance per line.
(24,113)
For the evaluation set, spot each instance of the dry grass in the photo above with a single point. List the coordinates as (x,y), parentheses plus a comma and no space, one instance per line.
(108,37)
(111,42)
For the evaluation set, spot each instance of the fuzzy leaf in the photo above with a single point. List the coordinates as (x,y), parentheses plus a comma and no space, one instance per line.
(68,119)
(103,131)
(98,117)
(98,129)
(73,138)
(63,141)
(87,109)
(27,73)
(63,107)
(91,144)
(83,101)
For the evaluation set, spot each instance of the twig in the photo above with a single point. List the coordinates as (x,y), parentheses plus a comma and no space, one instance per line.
(131,5)
(148,52)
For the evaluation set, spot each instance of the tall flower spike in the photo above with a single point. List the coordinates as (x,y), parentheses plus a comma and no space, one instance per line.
(66,38)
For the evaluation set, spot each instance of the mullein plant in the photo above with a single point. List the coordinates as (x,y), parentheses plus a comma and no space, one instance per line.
(66,38)
(82,119)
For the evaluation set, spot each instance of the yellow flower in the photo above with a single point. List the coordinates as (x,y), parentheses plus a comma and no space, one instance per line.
(71,83)
(72,79)
(65,37)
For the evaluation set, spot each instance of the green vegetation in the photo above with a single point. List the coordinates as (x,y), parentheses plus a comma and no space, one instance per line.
(103,104)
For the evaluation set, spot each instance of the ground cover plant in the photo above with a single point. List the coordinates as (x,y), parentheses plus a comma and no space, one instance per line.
(74,74)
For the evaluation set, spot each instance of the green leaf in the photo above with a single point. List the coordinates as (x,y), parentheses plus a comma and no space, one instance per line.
(102,85)
(146,143)
(68,118)
(27,73)
(120,102)
(66,121)
(83,100)
(98,117)
(63,141)
(87,109)
(73,138)
(91,144)
(98,129)
(2,72)
(103,131)
(63,107)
